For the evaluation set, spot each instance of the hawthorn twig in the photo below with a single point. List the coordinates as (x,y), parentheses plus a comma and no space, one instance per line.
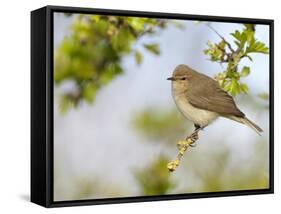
(182,147)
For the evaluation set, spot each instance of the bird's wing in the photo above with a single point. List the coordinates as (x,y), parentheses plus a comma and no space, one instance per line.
(212,98)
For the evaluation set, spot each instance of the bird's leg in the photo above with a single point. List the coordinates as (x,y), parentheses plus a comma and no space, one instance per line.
(194,135)
(196,126)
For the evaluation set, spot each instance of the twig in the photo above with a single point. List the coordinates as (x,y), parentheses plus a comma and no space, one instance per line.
(182,146)
(226,42)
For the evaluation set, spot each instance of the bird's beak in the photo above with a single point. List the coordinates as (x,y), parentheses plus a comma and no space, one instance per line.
(171,78)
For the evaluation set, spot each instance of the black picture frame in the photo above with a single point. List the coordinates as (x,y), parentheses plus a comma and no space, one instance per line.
(42,106)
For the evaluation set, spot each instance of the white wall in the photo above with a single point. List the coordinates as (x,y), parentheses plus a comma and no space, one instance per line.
(15,99)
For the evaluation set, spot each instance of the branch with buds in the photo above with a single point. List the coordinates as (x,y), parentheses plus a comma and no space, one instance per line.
(182,147)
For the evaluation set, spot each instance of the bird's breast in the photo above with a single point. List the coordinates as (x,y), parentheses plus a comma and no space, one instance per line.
(198,116)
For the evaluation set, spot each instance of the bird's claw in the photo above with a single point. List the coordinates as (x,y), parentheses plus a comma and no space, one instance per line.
(193,137)
(193,144)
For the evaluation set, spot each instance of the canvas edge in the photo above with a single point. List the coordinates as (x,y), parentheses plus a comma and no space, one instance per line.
(38,152)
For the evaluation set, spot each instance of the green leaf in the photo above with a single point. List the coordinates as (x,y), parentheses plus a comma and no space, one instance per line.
(245,71)
(138,57)
(137,23)
(236,35)
(234,87)
(155,179)
(257,47)
(95,18)
(153,48)
(89,92)
(240,37)
(250,35)
(206,51)
(210,44)
(121,42)
(264,96)
(250,27)
(222,44)
(244,88)
(110,72)
(65,104)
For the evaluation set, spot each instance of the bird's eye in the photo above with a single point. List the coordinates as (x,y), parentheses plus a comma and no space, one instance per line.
(184,78)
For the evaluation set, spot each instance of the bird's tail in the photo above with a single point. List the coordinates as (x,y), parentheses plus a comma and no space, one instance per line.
(248,123)
(252,125)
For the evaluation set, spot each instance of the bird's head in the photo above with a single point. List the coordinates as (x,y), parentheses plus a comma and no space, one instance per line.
(181,73)
(181,76)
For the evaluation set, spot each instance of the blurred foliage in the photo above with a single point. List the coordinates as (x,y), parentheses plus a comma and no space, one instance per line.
(155,179)
(91,55)
(223,52)
(204,170)
(211,176)
(160,124)
(264,96)
(82,187)
(223,172)
(257,103)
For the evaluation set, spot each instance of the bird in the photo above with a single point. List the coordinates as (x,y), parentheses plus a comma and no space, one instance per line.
(201,99)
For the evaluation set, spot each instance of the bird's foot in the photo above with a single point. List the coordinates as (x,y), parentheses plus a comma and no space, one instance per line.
(189,141)
(193,145)
(193,137)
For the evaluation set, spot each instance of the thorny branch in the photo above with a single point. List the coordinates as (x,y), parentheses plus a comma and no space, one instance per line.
(223,39)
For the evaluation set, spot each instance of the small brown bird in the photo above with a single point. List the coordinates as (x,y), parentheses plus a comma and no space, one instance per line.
(201,100)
